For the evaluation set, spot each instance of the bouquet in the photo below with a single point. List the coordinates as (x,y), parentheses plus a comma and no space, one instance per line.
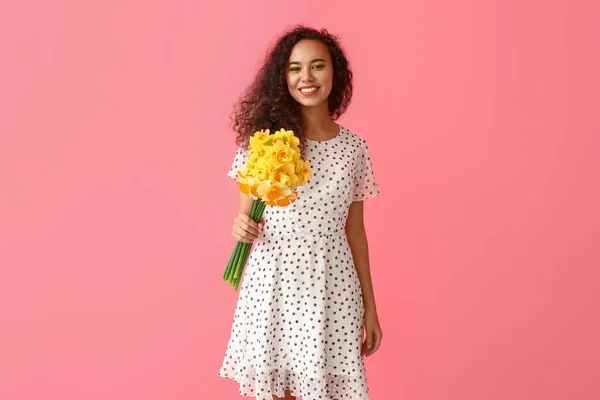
(271,175)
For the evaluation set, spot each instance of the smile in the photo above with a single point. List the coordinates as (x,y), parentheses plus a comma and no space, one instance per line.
(309,90)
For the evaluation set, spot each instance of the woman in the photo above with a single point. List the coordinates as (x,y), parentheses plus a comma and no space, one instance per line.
(306,295)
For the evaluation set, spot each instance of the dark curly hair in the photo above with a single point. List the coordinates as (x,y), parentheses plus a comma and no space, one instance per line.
(267,102)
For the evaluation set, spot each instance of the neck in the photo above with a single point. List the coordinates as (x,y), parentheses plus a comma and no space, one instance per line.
(316,119)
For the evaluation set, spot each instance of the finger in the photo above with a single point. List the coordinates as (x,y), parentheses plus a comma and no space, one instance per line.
(367,344)
(248,224)
(258,224)
(243,235)
(247,236)
(239,238)
(376,343)
(245,230)
(248,231)
(247,219)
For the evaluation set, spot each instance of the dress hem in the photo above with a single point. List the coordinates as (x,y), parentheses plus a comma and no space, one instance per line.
(291,385)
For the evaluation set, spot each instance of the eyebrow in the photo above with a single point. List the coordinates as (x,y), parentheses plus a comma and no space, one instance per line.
(312,61)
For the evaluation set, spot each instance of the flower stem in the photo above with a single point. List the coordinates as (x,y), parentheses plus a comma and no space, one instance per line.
(229,263)
(239,256)
(231,267)
(242,259)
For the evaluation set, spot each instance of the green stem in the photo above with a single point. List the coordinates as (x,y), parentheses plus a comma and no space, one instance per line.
(253,208)
(258,206)
(242,260)
(239,257)
(236,254)
(229,263)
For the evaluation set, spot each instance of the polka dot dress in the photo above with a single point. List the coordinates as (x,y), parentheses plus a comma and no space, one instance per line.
(298,323)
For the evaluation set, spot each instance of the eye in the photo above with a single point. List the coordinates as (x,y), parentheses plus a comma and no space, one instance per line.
(294,69)
(319,66)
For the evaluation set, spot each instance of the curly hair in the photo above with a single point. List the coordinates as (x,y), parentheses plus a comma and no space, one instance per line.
(267,102)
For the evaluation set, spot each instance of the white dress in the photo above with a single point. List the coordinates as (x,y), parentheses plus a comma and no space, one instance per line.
(298,323)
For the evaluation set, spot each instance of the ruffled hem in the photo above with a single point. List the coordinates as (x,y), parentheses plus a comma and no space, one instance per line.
(263,384)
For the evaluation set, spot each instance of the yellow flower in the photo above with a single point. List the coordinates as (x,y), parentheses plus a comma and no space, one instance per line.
(259,140)
(271,175)
(287,200)
(258,150)
(281,135)
(284,179)
(249,167)
(262,169)
(294,141)
(248,184)
(287,137)
(283,153)
(243,183)
(289,170)
(274,167)
(273,191)
(304,172)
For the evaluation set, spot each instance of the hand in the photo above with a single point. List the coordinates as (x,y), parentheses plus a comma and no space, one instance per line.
(245,229)
(374,334)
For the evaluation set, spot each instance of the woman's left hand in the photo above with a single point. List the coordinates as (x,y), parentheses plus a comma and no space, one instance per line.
(374,334)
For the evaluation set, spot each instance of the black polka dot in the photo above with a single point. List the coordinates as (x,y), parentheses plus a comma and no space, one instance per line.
(298,323)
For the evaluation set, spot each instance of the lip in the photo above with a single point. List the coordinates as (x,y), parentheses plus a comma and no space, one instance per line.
(311,93)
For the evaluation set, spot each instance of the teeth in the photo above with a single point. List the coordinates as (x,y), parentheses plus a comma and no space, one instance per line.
(309,90)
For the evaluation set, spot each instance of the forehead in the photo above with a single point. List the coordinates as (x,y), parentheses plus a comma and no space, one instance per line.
(309,49)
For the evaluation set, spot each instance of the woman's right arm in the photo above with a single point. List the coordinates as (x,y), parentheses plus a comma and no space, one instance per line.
(245,229)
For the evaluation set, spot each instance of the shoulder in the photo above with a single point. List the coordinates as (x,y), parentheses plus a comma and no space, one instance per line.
(353,139)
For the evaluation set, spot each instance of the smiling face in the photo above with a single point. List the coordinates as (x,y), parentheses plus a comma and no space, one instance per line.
(310,73)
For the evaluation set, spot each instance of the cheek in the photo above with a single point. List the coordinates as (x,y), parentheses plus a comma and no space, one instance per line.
(329,78)
(328,82)
(326,78)
(290,80)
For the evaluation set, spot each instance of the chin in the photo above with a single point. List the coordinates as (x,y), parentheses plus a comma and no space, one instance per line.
(310,102)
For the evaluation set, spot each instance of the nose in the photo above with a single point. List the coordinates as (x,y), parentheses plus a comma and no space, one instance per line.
(306,75)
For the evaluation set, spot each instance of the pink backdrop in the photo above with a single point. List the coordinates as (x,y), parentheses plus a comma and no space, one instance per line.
(115,211)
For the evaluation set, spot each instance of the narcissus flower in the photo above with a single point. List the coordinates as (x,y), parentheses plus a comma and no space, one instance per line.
(272,173)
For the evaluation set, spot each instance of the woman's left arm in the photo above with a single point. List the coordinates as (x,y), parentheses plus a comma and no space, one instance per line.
(357,239)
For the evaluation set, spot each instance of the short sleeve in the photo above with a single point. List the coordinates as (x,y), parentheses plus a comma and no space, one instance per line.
(365,185)
(238,162)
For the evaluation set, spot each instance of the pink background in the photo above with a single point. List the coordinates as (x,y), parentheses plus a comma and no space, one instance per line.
(115,211)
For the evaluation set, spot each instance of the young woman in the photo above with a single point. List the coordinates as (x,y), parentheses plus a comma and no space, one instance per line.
(306,296)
